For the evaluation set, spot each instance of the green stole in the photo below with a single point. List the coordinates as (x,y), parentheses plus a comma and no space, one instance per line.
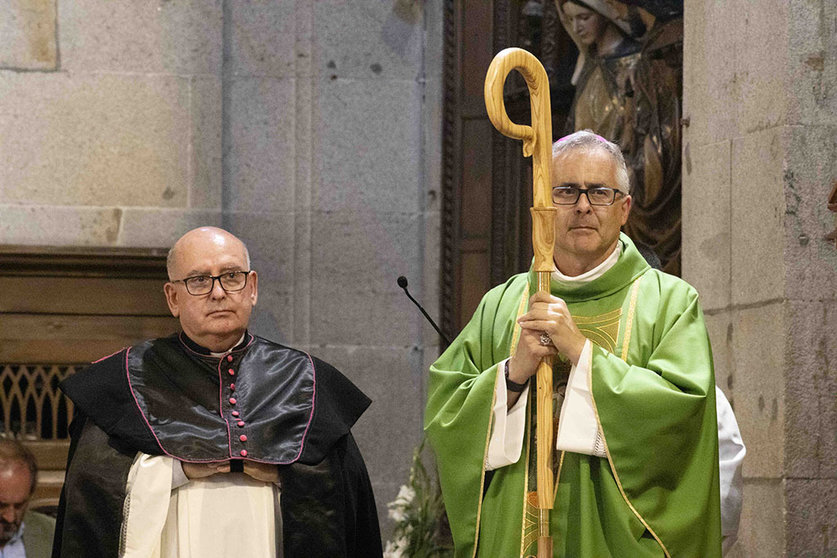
(656,493)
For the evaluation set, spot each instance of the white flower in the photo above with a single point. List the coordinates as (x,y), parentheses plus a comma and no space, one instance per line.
(397,513)
(395,549)
(398,507)
(405,495)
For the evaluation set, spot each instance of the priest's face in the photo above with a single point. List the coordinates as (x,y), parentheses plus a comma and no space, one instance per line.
(215,319)
(586,234)
(15,483)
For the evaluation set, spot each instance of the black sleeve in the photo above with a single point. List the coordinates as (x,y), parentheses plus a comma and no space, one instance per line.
(329,509)
(363,534)
(339,403)
(90,509)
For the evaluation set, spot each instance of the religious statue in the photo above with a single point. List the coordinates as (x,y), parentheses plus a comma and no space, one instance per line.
(628,81)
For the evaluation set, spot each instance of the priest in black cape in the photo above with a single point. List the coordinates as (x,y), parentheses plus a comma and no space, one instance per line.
(214,442)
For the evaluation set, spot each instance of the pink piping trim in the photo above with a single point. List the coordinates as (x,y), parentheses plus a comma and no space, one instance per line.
(221,406)
(136,402)
(229,443)
(313,403)
(110,355)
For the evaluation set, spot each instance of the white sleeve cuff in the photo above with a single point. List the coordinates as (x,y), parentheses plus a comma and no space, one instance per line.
(507,425)
(178,477)
(578,429)
(731,453)
(148,489)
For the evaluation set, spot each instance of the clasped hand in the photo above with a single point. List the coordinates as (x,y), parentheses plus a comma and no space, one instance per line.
(547,314)
(264,472)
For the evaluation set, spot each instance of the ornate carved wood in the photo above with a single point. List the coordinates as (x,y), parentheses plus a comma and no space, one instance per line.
(485,193)
(61,308)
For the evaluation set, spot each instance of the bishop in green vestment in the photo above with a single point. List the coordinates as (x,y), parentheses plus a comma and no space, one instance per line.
(633,360)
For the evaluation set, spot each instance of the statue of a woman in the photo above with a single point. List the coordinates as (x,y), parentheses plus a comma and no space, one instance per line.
(628,89)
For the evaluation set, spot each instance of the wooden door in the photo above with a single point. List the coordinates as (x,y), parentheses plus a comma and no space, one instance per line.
(487,184)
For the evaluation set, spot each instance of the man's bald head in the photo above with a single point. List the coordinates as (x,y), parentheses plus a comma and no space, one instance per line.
(215,319)
(14,455)
(200,236)
(18,475)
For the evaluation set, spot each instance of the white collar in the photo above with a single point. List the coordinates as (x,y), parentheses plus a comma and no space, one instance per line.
(236,344)
(592,274)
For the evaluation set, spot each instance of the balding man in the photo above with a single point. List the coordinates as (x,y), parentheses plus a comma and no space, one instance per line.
(23,533)
(182,446)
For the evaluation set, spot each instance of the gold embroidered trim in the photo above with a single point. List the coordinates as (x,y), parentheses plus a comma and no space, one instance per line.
(558,476)
(515,337)
(625,342)
(521,309)
(629,321)
(602,329)
(523,542)
(482,474)
(601,318)
(602,334)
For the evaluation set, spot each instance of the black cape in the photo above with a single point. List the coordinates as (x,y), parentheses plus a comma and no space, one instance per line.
(170,397)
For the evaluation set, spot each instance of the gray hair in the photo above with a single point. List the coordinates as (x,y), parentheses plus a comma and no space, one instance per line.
(12,451)
(170,261)
(586,139)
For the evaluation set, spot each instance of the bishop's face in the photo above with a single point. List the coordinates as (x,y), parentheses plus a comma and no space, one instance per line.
(585,234)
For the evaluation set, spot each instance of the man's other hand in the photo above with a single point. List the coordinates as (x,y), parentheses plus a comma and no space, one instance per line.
(264,472)
(202,470)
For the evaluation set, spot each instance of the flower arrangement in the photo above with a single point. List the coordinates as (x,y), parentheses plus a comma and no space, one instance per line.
(421,528)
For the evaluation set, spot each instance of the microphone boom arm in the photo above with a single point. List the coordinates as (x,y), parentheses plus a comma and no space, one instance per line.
(402,282)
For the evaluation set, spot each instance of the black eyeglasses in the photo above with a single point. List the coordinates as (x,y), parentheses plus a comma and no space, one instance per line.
(231,282)
(600,195)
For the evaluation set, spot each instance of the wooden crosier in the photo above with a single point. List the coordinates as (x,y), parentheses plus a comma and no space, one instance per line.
(537,143)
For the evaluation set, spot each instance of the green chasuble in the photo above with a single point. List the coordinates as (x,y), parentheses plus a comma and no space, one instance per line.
(656,494)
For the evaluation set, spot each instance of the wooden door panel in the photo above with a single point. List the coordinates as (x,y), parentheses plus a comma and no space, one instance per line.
(28,338)
(91,295)
(486,183)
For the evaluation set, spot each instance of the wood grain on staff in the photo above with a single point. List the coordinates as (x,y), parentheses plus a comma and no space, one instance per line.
(537,139)
(537,142)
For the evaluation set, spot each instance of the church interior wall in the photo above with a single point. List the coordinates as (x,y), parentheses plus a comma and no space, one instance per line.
(760,106)
(309,129)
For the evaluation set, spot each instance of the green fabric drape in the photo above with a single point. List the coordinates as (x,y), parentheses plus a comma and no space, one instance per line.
(657,491)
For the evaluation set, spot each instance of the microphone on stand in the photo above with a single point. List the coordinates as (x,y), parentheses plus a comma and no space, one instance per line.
(402,282)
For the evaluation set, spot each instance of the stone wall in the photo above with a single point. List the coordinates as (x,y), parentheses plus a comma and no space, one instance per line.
(760,99)
(310,129)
